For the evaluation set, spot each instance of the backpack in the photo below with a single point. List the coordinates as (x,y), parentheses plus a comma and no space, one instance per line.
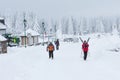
(50,47)
(85,47)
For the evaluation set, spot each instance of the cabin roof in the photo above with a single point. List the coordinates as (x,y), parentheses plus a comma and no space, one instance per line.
(2,38)
(2,26)
(31,32)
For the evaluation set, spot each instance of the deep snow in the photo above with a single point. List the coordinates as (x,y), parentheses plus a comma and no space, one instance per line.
(32,63)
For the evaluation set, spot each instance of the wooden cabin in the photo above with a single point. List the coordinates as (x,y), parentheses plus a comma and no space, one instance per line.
(31,38)
(3,44)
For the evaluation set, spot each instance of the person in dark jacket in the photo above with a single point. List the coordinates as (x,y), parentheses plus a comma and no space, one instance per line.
(50,49)
(85,46)
(57,44)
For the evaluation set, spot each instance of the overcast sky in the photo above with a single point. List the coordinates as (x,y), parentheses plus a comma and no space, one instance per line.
(56,8)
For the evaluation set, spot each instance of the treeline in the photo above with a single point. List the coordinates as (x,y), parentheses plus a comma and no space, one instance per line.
(67,25)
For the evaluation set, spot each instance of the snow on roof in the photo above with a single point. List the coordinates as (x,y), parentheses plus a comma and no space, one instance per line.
(2,38)
(1,18)
(30,31)
(2,26)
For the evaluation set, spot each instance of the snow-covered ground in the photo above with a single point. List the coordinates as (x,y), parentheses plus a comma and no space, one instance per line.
(32,63)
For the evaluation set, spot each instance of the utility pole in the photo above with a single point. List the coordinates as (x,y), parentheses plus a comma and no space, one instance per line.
(50,35)
(43,24)
(25,21)
(55,32)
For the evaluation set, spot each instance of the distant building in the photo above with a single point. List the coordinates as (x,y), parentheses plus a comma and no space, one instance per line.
(3,44)
(32,37)
(2,26)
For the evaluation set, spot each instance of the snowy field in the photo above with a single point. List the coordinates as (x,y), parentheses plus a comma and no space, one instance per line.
(32,63)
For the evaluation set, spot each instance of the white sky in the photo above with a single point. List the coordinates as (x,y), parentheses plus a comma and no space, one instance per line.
(57,8)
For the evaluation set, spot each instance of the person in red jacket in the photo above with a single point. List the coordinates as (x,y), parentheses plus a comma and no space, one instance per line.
(85,46)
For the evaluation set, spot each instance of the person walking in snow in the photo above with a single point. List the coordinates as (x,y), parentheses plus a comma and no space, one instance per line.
(85,46)
(57,44)
(50,49)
